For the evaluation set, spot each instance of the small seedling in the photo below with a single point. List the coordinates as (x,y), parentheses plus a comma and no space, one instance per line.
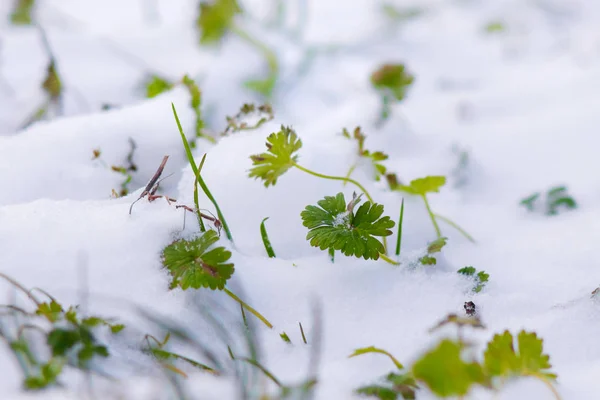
(265,239)
(333,224)
(421,187)
(433,248)
(261,114)
(197,263)
(556,198)
(216,19)
(374,157)
(479,278)
(391,82)
(21,14)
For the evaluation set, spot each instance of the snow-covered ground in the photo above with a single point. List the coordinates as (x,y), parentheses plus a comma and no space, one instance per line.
(522,103)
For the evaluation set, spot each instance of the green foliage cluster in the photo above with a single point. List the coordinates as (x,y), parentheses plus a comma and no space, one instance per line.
(479,278)
(237,123)
(375,157)
(334,225)
(433,248)
(447,372)
(557,198)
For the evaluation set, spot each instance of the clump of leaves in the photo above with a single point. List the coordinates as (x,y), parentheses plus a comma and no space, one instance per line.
(237,123)
(433,248)
(197,263)
(421,187)
(396,385)
(556,198)
(479,278)
(333,224)
(21,14)
(281,155)
(375,157)
(444,371)
(216,19)
(391,82)
(70,339)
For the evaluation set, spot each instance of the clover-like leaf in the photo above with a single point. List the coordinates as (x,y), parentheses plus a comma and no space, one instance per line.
(445,372)
(333,225)
(192,263)
(215,19)
(501,360)
(421,186)
(279,157)
(392,78)
(52,310)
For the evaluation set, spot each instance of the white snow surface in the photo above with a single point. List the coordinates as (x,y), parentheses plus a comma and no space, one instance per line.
(523,103)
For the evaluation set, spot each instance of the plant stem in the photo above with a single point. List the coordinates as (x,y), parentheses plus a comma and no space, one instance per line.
(265,239)
(548,384)
(335,178)
(455,226)
(196,202)
(387,259)
(399,238)
(350,171)
(201,182)
(438,232)
(247,307)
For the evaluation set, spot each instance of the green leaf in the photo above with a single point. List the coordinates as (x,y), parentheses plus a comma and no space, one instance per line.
(444,371)
(52,311)
(157,85)
(380,392)
(529,202)
(404,384)
(467,271)
(21,14)
(479,278)
(333,225)
(373,349)
(192,263)
(392,78)
(501,360)
(433,247)
(495,27)
(285,337)
(215,19)
(116,328)
(62,340)
(421,186)
(264,87)
(279,157)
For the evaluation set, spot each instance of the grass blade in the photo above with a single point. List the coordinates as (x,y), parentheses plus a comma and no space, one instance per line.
(455,226)
(399,239)
(188,152)
(250,309)
(265,239)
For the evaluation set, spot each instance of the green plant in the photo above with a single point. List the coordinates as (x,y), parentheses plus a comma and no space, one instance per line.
(237,123)
(21,14)
(69,338)
(479,278)
(432,248)
(265,239)
(216,19)
(399,235)
(556,198)
(391,82)
(374,157)
(199,180)
(156,85)
(421,187)
(197,263)
(446,373)
(334,225)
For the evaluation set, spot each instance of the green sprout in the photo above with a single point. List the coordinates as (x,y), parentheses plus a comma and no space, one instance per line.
(21,14)
(216,19)
(391,82)
(433,248)
(197,263)
(480,278)
(334,225)
(156,85)
(556,198)
(375,157)
(421,187)
(265,239)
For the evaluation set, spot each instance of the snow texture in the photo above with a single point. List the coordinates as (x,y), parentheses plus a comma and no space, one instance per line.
(519,105)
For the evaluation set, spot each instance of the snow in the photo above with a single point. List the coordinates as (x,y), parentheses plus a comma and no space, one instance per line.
(522,104)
